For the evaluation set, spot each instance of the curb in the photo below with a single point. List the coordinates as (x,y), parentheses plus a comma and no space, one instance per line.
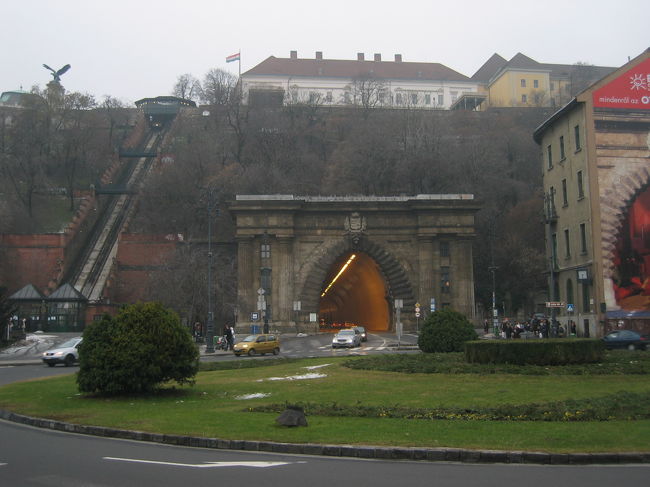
(351,451)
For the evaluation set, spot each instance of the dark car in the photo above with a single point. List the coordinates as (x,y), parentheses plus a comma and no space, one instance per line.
(626,339)
(362,332)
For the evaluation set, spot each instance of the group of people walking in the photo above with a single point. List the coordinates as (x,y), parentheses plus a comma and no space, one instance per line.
(538,327)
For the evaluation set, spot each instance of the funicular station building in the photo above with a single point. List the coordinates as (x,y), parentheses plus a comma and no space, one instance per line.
(310,262)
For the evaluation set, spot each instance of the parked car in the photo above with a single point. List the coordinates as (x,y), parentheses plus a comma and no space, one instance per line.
(254,344)
(629,339)
(66,353)
(347,338)
(362,332)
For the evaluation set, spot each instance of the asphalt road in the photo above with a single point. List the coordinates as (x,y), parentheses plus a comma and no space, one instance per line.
(34,457)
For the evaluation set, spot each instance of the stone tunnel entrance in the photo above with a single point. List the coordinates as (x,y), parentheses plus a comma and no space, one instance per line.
(355,292)
(290,248)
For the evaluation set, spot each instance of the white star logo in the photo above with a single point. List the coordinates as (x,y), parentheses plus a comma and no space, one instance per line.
(638,82)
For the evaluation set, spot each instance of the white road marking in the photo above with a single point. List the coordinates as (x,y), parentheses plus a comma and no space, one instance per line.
(203,465)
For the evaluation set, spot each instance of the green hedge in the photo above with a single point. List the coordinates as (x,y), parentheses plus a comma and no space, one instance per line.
(535,352)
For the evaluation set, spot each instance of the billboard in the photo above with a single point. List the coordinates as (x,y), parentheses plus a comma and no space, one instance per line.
(631,90)
(632,257)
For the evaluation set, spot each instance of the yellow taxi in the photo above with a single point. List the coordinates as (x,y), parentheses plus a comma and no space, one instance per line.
(258,344)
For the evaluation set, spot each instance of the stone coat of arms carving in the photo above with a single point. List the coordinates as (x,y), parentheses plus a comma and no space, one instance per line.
(355,226)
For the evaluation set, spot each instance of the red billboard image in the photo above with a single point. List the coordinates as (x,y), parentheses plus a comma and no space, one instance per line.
(631,90)
(632,257)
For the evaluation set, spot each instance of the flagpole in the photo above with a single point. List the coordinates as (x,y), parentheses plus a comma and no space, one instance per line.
(241,85)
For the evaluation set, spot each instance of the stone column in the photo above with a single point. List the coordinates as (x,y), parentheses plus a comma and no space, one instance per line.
(427,262)
(283,292)
(462,277)
(246,298)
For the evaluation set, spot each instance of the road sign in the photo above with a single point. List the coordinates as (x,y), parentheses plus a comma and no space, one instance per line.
(433,305)
(417,309)
(554,304)
(255,316)
(570,308)
(417,314)
(399,303)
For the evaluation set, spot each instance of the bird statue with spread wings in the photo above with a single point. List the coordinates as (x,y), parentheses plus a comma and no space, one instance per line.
(57,74)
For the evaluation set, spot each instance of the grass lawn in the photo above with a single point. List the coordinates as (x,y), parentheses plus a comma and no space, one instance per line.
(215,407)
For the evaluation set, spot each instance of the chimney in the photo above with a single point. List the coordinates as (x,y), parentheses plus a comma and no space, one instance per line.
(293,54)
(378,57)
(319,55)
(360,56)
(398,58)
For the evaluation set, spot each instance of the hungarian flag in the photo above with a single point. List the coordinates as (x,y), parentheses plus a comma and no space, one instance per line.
(232,58)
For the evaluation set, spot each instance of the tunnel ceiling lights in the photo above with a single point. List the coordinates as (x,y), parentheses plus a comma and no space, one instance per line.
(352,257)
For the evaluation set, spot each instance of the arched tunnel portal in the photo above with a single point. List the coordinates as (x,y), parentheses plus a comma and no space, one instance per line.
(355,292)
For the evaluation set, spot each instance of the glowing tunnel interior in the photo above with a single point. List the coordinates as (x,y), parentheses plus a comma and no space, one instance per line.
(355,292)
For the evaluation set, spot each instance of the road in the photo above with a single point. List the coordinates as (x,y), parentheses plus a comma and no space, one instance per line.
(34,457)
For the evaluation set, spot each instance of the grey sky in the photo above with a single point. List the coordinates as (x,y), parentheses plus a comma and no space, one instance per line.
(138,48)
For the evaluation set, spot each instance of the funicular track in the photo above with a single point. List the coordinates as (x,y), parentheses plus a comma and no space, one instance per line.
(93,266)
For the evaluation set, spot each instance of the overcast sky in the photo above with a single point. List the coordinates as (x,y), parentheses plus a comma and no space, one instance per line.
(138,48)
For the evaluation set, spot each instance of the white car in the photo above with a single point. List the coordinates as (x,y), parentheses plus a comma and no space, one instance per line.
(347,338)
(66,353)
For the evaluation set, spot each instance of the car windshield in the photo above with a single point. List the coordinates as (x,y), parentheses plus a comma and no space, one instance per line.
(69,344)
(250,338)
(346,332)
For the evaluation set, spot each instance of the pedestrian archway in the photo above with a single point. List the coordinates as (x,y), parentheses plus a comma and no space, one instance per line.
(355,292)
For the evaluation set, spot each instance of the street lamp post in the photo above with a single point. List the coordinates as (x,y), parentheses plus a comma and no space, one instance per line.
(212,203)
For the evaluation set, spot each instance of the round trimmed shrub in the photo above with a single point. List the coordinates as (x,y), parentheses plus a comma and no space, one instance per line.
(445,330)
(142,347)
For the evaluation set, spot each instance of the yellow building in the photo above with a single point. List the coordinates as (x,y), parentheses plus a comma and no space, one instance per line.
(524,82)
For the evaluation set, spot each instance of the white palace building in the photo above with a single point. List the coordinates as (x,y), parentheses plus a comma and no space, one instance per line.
(371,83)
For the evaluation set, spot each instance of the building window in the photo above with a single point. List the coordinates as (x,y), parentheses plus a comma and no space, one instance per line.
(265,282)
(328,97)
(569,292)
(567,243)
(549,156)
(265,251)
(414,99)
(535,83)
(427,99)
(398,98)
(581,189)
(523,83)
(445,280)
(444,249)
(441,100)
(562,155)
(524,99)
(565,196)
(576,135)
(583,238)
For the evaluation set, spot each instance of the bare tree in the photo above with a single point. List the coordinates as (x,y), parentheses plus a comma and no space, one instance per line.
(218,86)
(187,87)
(367,92)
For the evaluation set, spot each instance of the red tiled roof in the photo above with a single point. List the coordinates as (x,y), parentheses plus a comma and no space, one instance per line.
(337,68)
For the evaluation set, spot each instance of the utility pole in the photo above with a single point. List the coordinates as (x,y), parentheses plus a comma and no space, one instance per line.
(212,204)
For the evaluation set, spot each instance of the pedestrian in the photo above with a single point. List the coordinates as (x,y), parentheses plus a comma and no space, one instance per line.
(197,332)
(486,326)
(229,339)
(572,327)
